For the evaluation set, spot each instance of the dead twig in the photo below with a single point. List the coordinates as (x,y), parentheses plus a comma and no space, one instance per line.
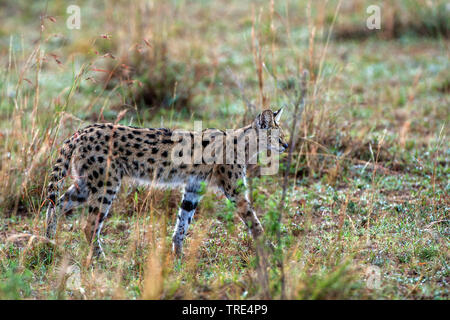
(299,106)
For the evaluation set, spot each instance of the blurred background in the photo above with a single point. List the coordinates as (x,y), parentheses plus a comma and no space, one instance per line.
(367,180)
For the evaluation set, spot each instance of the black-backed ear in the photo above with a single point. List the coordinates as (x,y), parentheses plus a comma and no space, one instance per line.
(265,119)
(277,115)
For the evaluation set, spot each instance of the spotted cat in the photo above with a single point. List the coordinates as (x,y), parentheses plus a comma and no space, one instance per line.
(103,154)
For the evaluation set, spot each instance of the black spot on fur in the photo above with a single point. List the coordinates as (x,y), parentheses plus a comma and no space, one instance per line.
(188,205)
(104,200)
(52,197)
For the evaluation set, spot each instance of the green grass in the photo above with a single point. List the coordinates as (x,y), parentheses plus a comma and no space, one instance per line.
(368,184)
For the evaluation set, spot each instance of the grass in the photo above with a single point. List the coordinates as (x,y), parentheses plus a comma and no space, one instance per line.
(367,184)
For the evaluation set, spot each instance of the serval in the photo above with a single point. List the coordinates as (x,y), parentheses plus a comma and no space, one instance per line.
(103,154)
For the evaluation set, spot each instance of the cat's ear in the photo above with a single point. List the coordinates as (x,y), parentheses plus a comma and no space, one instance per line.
(277,115)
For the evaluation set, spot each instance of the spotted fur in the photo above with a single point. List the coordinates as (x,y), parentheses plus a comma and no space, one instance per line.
(102,155)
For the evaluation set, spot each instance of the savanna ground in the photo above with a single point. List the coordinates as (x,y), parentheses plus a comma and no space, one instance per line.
(366,213)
